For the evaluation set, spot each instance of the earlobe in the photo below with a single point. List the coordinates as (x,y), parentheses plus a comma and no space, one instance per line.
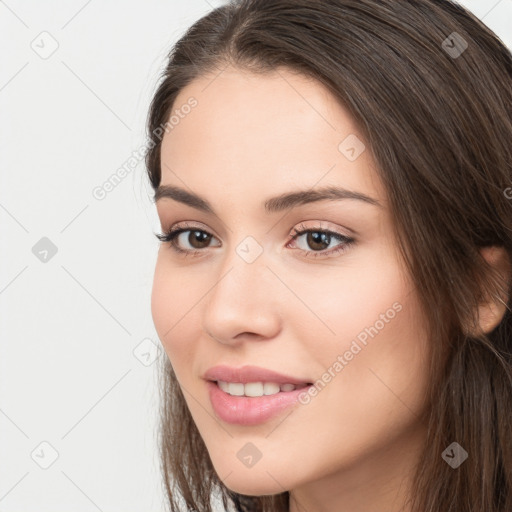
(492,309)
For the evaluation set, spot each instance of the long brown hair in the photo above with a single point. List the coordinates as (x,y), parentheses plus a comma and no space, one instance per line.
(437,117)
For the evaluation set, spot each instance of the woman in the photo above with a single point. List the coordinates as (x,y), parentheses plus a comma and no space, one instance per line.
(332,179)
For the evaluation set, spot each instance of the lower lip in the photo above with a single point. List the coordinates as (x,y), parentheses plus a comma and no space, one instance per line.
(243,410)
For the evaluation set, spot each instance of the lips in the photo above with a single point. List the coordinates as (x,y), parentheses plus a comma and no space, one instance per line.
(248,373)
(250,411)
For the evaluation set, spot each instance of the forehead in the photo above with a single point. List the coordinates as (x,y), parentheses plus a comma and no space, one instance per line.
(264,133)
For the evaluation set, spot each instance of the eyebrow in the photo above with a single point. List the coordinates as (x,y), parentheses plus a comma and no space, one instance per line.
(278,203)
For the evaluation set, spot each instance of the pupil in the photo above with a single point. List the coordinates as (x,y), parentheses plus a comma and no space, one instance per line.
(318,238)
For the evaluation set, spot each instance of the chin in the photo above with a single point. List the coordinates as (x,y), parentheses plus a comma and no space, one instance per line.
(264,485)
(259,480)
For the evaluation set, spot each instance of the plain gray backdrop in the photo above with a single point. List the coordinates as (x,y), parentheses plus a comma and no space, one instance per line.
(78,388)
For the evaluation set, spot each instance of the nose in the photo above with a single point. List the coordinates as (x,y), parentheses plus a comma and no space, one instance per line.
(243,303)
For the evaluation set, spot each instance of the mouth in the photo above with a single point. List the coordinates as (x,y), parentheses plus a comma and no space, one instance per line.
(258,389)
(252,403)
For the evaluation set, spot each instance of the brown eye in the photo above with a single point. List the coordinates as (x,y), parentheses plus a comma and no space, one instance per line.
(318,240)
(198,239)
(187,240)
(315,242)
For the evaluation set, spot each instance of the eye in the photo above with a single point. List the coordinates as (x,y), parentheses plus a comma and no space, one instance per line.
(319,239)
(197,239)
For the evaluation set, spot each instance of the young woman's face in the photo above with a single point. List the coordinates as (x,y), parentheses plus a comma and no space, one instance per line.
(342,315)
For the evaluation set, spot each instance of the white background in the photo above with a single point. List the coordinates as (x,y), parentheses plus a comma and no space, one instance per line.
(70,325)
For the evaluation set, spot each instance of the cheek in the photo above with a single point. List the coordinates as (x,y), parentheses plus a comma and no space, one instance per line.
(172,310)
(364,296)
(390,368)
(162,300)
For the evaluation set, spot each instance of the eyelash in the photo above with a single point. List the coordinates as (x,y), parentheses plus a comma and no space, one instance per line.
(171,235)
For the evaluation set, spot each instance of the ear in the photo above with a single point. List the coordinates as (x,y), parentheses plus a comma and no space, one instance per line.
(492,309)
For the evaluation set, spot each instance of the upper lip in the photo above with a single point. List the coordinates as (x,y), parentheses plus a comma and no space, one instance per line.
(249,373)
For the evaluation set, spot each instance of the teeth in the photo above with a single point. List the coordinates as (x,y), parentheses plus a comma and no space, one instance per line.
(254,388)
(270,388)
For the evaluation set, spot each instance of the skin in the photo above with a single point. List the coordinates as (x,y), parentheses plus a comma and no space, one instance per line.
(354,446)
